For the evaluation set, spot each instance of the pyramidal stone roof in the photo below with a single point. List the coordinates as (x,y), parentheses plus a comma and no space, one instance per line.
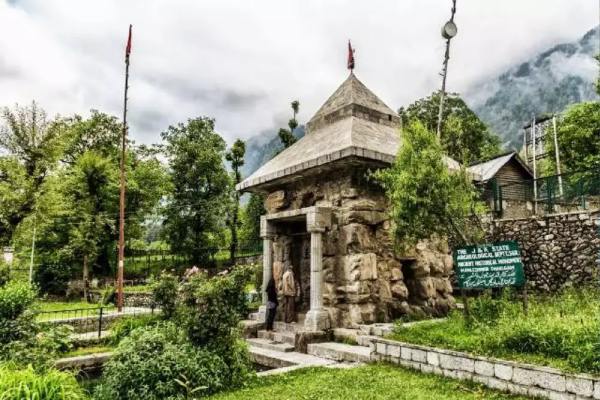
(353,123)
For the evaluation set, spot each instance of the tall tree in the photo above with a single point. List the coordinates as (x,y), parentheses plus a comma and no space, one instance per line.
(426,198)
(78,202)
(31,145)
(287,135)
(236,157)
(200,181)
(579,138)
(464,136)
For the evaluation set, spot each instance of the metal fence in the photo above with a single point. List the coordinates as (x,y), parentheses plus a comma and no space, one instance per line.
(552,194)
(92,320)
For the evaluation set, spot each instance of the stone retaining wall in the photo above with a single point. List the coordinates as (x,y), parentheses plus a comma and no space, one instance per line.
(513,377)
(558,250)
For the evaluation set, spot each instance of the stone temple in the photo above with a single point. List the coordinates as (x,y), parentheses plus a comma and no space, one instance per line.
(328,221)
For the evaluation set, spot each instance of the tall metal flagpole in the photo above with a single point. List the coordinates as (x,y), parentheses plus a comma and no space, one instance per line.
(121,260)
(448,32)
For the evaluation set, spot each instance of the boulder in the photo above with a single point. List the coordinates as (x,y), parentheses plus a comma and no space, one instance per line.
(399,290)
(424,288)
(275,201)
(367,217)
(356,238)
(360,267)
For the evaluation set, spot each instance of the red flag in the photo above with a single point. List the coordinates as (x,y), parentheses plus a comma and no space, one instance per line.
(350,56)
(128,48)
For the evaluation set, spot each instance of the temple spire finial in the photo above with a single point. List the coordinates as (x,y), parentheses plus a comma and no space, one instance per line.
(350,57)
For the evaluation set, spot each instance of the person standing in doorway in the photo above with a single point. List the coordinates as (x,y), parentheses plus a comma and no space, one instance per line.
(289,295)
(272,303)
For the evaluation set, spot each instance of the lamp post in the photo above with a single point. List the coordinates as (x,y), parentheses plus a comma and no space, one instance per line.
(449,30)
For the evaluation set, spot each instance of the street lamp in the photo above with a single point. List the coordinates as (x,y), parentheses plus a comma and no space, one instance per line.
(449,30)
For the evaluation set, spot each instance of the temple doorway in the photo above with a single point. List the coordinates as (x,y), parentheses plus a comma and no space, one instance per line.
(298,240)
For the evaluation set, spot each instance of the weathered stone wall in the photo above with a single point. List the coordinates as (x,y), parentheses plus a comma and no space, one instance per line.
(365,279)
(558,250)
(513,377)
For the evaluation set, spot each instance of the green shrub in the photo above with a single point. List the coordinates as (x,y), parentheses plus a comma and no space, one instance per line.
(153,363)
(20,384)
(217,307)
(164,293)
(15,298)
(124,326)
(16,322)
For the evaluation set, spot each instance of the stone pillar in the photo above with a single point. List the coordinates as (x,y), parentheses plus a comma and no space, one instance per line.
(267,232)
(317,318)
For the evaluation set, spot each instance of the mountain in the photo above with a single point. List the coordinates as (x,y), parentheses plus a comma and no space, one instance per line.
(262,147)
(547,83)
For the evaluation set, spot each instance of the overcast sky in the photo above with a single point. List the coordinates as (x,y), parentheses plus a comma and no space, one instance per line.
(243,61)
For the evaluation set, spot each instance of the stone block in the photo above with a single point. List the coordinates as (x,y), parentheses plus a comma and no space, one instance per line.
(427,369)
(366,217)
(503,371)
(399,290)
(596,393)
(406,353)
(381,348)
(419,355)
(396,273)
(360,267)
(356,238)
(457,363)
(497,384)
(516,389)
(275,201)
(537,392)
(433,358)
(580,386)
(551,381)
(484,368)
(410,364)
(424,288)
(393,351)
(524,376)
(560,396)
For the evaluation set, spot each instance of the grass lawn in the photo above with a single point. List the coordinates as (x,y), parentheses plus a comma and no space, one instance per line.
(373,382)
(562,331)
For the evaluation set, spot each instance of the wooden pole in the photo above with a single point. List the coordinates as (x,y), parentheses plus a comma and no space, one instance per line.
(86,278)
(525,300)
(444,75)
(121,261)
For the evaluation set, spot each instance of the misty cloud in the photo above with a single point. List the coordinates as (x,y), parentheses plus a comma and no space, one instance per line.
(243,62)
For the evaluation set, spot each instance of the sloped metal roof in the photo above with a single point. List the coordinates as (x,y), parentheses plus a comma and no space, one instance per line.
(353,122)
(488,169)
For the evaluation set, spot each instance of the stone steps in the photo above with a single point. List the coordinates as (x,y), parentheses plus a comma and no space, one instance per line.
(281,337)
(271,345)
(285,327)
(278,359)
(340,352)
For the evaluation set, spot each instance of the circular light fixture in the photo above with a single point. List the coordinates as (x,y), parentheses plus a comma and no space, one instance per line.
(449,30)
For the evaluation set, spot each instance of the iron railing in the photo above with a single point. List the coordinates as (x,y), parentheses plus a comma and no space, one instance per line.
(92,319)
(551,194)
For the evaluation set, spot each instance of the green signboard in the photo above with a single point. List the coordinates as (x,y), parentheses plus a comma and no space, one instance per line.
(489,266)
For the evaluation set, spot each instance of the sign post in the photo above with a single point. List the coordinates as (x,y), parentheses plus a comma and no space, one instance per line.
(494,265)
